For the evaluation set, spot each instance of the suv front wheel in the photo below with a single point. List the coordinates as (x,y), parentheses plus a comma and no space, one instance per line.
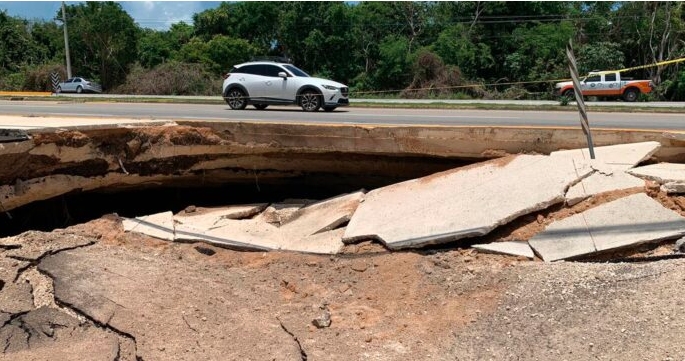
(310,101)
(236,99)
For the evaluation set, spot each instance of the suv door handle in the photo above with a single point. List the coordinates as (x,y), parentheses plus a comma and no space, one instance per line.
(268,82)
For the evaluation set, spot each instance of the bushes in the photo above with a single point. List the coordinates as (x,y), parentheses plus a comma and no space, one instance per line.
(12,82)
(172,78)
(433,79)
(38,78)
(32,78)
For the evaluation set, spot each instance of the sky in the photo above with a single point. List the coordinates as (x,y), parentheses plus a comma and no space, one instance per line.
(158,15)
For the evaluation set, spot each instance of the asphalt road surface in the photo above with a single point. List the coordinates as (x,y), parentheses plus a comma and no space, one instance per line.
(349,115)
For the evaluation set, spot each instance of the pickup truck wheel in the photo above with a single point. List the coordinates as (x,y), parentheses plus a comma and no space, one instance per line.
(630,95)
(570,94)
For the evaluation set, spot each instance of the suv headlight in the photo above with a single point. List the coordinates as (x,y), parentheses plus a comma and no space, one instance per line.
(330,87)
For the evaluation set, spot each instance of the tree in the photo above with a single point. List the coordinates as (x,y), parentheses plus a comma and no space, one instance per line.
(600,56)
(455,46)
(538,53)
(103,41)
(394,64)
(17,47)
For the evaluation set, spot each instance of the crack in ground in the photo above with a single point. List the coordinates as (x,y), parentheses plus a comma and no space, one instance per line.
(188,324)
(303,354)
(67,307)
(8,340)
(104,326)
(34,262)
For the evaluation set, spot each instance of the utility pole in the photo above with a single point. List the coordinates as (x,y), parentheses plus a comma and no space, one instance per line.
(66,41)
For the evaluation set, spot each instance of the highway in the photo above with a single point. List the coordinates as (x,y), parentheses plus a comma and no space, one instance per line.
(349,115)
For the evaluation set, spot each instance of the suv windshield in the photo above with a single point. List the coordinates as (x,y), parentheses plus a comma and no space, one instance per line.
(296,71)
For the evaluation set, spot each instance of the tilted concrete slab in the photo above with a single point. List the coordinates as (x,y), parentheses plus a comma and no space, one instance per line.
(509,248)
(160,225)
(621,156)
(255,235)
(661,172)
(246,234)
(463,202)
(206,218)
(600,183)
(627,221)
(322,216)
(329,242)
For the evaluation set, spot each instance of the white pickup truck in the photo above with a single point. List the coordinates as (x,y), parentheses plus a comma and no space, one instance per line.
(606,84)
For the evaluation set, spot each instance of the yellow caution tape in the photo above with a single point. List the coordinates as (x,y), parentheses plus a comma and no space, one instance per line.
(666,62)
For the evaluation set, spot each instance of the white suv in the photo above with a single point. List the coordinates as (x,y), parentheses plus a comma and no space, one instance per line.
(262,83)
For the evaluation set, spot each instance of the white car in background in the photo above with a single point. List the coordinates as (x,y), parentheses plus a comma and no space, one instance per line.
(78,85)
(264,83)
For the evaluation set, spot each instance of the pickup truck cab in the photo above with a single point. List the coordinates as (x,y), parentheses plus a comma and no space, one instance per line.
(607,84)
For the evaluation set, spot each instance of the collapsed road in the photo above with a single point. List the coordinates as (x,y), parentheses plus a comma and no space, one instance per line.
(200,240)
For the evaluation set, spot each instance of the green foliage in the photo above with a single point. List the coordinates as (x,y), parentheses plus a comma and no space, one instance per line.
(600,56)
(539,52)
(17,47)
(217,55)
(563,100)
(103,41)
(455,46)
(12,82)
(372,46)
(394,65)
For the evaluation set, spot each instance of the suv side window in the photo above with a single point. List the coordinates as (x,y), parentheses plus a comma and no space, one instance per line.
(272,71)
(610,77)
(249,69)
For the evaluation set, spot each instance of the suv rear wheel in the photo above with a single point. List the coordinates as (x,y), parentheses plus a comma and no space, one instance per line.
(310,101)
(236,99)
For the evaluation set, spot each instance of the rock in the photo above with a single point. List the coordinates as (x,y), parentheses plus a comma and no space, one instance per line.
(323,321)
(680,245)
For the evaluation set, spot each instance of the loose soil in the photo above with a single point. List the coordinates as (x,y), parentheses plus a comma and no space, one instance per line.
(157,300)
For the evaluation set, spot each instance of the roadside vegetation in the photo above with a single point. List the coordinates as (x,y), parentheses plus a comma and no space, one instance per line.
(442,50)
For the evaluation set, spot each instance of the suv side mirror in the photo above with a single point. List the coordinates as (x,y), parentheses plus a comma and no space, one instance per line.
(283,75)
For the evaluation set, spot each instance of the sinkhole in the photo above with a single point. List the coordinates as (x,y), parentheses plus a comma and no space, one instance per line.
(78,207)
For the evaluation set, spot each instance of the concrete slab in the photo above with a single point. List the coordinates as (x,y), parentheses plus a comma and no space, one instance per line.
(206,218)
(245,234)
(600,183)
(661,172)
(510,248)
(307,230)
(628,221)
(322,216)
(622,156)
(279,213)
(463,202)
(160,225)
(329,242)
(673,187)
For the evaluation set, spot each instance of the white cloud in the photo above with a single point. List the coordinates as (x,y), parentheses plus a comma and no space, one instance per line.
(160,15)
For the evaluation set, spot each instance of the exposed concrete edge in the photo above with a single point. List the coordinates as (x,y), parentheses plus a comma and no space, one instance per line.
(477,142)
